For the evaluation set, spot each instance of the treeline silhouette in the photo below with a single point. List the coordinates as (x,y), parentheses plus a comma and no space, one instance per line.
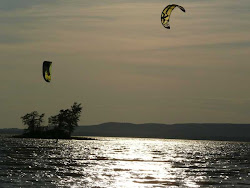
(60,126)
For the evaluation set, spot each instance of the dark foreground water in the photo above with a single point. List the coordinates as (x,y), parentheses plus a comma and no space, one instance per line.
(123,162)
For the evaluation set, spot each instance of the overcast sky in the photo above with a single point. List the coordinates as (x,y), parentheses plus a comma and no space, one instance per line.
(117,59)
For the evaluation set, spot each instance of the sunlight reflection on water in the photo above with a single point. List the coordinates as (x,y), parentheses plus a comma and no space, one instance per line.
(123,162)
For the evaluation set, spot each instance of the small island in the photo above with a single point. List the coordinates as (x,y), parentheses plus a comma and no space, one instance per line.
(60,126)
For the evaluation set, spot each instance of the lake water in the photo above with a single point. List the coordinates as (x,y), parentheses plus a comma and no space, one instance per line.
(123,162)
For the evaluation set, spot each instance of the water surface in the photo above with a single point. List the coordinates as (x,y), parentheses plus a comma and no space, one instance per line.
(123,162)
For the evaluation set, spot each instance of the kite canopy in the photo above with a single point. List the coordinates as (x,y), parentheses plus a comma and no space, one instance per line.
(165,15)
(47,71)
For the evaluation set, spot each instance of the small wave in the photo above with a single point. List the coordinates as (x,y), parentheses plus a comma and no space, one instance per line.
(159,182)
(120,169)
(156,151)
(118,150)
(209,183)
(132,160)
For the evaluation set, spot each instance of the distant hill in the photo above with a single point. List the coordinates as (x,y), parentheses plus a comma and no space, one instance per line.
(197,131)
(11,131)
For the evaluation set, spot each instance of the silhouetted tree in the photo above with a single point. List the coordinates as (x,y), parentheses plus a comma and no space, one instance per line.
(34,121)
(65,122)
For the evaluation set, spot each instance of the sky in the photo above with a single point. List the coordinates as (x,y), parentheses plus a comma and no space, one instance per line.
(117,60)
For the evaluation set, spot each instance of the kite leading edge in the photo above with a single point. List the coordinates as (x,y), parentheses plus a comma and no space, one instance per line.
(165,15)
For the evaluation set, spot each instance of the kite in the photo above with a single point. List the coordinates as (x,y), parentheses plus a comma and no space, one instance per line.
(47,71)
(165,15)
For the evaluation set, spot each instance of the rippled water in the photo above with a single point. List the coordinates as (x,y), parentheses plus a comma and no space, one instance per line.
(123,162)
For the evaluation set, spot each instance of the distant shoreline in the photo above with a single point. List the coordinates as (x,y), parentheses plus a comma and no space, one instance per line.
(71,138)
(88,138)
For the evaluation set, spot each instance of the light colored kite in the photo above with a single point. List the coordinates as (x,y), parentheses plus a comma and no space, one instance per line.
(165,15)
